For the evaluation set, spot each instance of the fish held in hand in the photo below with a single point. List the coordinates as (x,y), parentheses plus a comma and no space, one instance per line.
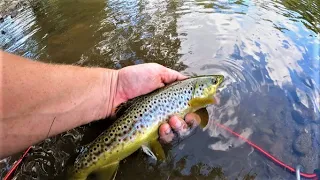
(139,123)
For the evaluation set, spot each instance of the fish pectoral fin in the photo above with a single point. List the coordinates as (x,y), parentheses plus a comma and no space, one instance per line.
(154,150)
(200,102)
(156,147)
(149,152)
(107,172)
(204,116)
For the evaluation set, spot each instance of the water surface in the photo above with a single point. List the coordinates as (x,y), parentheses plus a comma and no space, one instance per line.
(268,50)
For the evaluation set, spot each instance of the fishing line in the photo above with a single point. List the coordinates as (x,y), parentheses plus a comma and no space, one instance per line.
(275,160)
(50,127)
(16,164)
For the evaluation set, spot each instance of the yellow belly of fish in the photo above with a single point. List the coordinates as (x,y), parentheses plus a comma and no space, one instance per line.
(108,163)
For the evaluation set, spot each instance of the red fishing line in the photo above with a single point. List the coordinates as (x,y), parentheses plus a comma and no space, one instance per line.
(15,166)
(277,161)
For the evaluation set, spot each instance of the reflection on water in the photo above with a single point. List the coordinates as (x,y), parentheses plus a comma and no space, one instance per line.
(268,51)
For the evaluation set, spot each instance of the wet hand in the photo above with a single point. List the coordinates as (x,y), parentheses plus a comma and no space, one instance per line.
(178,125)
(141,79)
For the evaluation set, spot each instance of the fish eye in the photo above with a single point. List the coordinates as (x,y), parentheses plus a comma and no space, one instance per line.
(214,81)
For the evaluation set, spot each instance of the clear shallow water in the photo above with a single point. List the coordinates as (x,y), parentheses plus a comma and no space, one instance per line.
(268,51)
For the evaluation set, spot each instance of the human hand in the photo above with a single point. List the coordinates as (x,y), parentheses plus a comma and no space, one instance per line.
(141,79)
(178,125)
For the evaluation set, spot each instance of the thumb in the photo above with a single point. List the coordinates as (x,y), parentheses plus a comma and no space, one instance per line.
(169,76)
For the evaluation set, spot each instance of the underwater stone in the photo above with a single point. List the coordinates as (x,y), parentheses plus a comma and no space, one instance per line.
(302,144)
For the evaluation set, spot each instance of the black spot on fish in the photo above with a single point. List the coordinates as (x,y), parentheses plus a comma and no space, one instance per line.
(94,149)
(106,139)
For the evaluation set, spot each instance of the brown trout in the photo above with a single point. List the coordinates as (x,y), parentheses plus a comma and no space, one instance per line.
(138,126)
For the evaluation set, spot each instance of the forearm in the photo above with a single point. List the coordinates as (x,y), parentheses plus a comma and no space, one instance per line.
(35,95)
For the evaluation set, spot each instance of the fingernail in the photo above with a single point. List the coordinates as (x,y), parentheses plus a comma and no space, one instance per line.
(168,131)
(185,126)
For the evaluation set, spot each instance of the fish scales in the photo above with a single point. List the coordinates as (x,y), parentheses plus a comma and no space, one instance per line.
(131,130)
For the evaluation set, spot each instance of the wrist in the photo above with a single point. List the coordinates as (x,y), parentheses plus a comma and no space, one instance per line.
(110,79)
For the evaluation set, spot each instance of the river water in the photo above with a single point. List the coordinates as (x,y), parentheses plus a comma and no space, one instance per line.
(268,50)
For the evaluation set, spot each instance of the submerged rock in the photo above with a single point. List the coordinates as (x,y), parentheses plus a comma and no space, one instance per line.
(11,8)
(302,144)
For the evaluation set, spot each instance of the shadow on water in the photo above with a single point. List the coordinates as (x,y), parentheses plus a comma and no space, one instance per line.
(267,50)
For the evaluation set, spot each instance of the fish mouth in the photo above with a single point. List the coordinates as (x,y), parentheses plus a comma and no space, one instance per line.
(220,83)
(220,79)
